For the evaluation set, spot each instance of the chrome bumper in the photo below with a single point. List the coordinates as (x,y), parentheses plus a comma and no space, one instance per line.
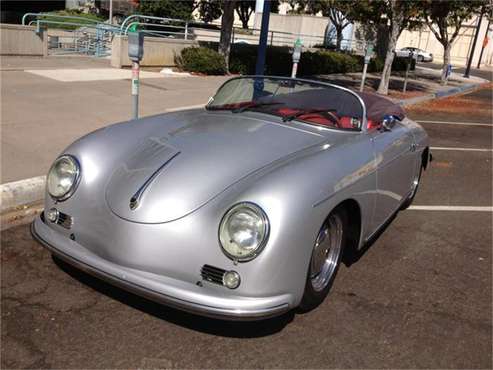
(176,295)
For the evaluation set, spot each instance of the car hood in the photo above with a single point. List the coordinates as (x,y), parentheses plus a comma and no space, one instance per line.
(180,166)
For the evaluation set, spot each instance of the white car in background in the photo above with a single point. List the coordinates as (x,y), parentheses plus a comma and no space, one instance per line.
(422,56)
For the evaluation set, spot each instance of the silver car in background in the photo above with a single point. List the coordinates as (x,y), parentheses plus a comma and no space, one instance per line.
(420,55)
(241,210)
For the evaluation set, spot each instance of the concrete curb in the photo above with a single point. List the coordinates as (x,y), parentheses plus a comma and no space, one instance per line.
(442,93)
(19,193)
(23,192)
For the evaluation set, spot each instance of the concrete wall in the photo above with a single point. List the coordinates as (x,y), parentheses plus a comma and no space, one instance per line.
(426,40)
(158,51)
(21,40)
(311,28)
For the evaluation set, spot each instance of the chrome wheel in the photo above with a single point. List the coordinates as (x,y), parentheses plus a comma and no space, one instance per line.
(326,253)
(415,184)
(414,187)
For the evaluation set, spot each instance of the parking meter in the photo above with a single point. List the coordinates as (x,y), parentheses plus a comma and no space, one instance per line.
(368,55)
(135,46)
(296,57)
(412,55)
(449,71)
(135,53)
(297,51)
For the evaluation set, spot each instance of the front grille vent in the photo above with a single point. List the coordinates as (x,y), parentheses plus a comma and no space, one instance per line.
(212,274)
(64,220)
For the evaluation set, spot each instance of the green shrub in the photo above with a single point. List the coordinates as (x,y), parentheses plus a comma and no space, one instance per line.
(88,19)
(400,64)
(326,62)
(243,60)
(278,61)
(375,65)
(201,60)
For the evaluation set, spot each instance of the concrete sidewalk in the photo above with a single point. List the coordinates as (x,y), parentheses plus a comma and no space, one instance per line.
(40,116)
(422,82)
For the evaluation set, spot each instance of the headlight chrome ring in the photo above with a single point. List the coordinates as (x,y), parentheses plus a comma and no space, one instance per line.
(54,179)
(243,232)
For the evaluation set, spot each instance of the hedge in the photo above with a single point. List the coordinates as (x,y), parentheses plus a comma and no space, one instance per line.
(278,61)
(327,62)
(201,60)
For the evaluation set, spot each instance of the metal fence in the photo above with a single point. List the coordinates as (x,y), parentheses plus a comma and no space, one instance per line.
(72,34)
(92,37)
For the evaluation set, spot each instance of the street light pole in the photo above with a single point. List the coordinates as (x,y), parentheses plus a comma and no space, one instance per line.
(468,68)
(262,44)
(485,42)
(111,11)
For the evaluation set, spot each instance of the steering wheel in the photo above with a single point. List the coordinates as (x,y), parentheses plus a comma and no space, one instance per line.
(332,117)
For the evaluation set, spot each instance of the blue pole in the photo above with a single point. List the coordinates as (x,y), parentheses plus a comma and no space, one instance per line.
(262,44)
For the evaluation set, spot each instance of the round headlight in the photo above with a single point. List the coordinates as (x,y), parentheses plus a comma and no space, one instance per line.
(63,177)
(244,231)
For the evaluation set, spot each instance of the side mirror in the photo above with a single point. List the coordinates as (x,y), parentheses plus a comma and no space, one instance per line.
(388,122)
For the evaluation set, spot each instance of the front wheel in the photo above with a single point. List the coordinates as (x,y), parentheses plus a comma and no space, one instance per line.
(325,260)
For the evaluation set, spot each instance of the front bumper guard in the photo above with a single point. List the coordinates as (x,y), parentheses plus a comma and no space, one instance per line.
(237,308)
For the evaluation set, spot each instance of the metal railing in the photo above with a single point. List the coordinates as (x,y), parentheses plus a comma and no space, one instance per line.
(48,15)
(79,36)
(92,37)
(200,31)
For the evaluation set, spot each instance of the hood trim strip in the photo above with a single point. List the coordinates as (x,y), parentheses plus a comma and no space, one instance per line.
(135,199)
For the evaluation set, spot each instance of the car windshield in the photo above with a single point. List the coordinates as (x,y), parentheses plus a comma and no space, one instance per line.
(292,99)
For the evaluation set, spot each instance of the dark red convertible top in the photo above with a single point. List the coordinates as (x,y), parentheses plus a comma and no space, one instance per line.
(343,101)
(377,107)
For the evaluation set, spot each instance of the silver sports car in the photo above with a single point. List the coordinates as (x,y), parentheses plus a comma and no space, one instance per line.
(241,210)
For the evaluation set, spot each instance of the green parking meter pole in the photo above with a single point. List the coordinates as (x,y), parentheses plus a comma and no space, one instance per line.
(296,57)
(368,54)
(135,53)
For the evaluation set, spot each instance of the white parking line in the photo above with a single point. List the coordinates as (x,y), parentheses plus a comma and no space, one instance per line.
(451,208)
(461,149)
(457,123)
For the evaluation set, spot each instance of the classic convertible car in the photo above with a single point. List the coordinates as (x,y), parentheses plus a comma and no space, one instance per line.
(241,210)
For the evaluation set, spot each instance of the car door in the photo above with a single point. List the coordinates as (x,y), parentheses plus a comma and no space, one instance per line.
(396,164)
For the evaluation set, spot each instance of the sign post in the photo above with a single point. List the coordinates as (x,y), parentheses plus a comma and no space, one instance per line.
(412,56)
(296,57)
(368,55)
(135,53)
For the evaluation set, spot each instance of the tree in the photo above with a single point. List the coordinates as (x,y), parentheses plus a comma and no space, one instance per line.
(167,8)
(392,16)
(338,11)
(445,19)
(209,10)
(244,9)
(227,21)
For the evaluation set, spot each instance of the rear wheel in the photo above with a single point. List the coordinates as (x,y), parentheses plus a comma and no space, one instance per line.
(421,58)
(414,190)
(325,259)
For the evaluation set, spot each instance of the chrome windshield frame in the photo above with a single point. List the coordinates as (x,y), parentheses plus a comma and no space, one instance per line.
(364,122)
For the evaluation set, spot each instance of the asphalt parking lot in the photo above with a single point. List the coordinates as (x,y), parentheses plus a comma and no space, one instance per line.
(419,297)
